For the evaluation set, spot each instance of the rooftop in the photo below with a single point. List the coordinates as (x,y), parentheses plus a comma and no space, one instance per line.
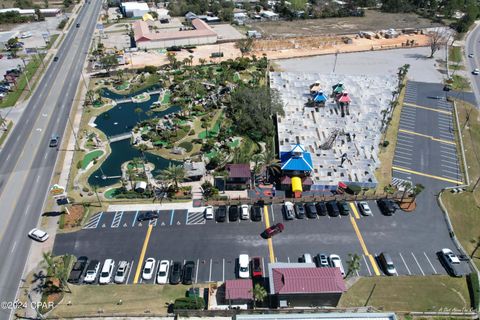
(239,289)
(291,280)
(143,33)
(135,6)
(240,170)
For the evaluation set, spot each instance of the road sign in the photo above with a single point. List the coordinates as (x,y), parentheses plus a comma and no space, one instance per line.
(57,190)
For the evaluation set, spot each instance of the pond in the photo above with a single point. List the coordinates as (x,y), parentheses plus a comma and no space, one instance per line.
(118,120)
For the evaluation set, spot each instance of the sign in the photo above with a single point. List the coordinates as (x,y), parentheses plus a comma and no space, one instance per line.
(57,190)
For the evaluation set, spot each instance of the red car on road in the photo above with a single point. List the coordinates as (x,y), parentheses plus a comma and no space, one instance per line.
(257,267)
(273,230)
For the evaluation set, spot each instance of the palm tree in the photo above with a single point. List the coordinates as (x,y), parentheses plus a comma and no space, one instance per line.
(406,185)
(95,188)
(58,270)
(417,189)
(353,264)
(257,165)
(271,163)
(202,61)
(130,174)
(173,174)
(259,294)
(90,96)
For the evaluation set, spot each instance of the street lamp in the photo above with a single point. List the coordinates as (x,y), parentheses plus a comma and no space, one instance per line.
(26,77)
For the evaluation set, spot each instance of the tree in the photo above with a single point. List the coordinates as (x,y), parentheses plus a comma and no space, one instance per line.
(173,174)
(172,60)
(154,14)
(353,264)
(12,45)
(475,242)
(438,37)
(244,45)
(138,112)
(120,74)
(271,163)
(39,14)
(259,294)
(406,187)
(58,270)
(208,190)
(108,62)
(90,95)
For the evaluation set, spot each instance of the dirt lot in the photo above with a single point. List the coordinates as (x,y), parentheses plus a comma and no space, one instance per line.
(373,20)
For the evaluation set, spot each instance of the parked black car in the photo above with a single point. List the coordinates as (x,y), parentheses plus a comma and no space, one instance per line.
(321,208)
(299,210)
(176,273)
(311,210)
(77,270)
(386,206)
(188,270)
(233,213)
(256,212)
(221,214)
(344,208)
(147,215)
(332,207)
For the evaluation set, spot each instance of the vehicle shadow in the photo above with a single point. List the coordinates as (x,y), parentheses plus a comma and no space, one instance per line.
(51,214)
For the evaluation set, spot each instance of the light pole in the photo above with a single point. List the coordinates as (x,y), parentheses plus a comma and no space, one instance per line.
(26,77)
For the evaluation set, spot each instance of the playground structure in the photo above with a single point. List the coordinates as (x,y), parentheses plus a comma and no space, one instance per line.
(343,136)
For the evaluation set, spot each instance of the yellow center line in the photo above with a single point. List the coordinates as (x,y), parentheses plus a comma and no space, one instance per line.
(427,136)
(426,175)
(354,209)
(142,254)
(364,246)
(269,240)
(426,108)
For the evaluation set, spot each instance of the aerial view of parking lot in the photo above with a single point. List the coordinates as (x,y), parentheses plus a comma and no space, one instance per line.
(239,160)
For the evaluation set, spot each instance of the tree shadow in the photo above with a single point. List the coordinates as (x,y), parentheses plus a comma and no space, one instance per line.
(417,56)
(51,214)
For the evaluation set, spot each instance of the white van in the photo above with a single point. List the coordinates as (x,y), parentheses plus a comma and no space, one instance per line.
(307,258)
(209,213)
(245,212)
(107,272)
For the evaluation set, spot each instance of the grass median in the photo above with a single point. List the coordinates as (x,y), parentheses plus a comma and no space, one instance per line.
(408,293)
(86,300)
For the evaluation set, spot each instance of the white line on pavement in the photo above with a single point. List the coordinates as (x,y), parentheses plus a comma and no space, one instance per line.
(129,271)
(223,274)
(210,272)
(403,157)
(13,247)
(368,268)
(417,263)
(196,273)
(431,265)
(408,269)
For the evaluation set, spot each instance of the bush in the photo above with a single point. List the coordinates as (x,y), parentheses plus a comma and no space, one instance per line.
(385,143)
(191,133)
(473,287)
(188,146)
(62,24)
(79,164)
(189,303)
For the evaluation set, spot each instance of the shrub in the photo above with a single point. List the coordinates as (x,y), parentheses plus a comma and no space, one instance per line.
(385,143)
(79,164)
(191,133)
(189,303)
(188,146)
(473,287)
(62,23)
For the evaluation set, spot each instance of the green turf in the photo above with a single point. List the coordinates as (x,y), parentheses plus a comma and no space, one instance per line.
(90,156)
(109,194)
(211,132)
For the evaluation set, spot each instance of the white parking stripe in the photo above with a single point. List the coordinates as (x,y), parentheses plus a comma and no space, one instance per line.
(402,162)
(368,268)
(403,157)
(404,136)
(130,270)
(196,273)
(223,270)
(417,263)
(263,264)
(408,269)
(449,167)
(431,265)
(210,273)
(449,162)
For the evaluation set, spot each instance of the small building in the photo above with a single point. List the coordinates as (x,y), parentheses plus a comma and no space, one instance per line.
(304,285)
(238,177)
(269,15)
(194,171)
(134,9)
(296,165)
(239,291)
(140,186)
(330,315)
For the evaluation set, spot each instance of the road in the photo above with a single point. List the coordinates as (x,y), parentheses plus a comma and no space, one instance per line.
(26,162)
(472,46)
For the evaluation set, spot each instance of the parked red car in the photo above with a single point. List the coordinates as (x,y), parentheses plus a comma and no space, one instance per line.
(273,230)
(257,267)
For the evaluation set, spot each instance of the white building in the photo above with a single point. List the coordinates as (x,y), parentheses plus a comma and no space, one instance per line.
(134,9)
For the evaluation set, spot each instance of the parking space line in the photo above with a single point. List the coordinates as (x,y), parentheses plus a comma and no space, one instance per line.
(135,219)
(431,265)
(364,246)
(116,219)
(94,221)
(368,268)
(402,152)
(196,273)
(402,162)
(129,271)
(408,269)
(269,240)
(403,157)
(406,104)
(417,263)
(223,273)
(142,254)
(354,209)
(427,136)
(273,214)
(210,272)
(404,149)
(171,216)
(186,218)
(426,175)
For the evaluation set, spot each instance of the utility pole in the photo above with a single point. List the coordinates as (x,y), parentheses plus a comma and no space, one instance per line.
(26,77)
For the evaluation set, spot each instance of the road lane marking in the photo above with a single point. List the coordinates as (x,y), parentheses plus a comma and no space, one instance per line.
(426,175)
(431,265)
(269,240)
(366,263)
(408,269)
(427,136)
(171,216)
(364,246)
(13,247)
(354,209)
(417,263)
(142,254)
(406,104)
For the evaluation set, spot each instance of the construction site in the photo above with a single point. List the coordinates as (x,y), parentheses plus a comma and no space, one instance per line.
(338,119)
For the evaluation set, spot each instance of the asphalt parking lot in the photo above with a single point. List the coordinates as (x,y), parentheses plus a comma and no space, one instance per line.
(179,235)
(426,139)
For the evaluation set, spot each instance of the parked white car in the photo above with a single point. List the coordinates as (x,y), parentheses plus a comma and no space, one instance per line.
(148,269)
(476,71)
(245,212)
(336,262)
(37,234)
(209,213)
(162,274)
(243,266)
(107,271)
(364,208)
(122,271)
(92,271)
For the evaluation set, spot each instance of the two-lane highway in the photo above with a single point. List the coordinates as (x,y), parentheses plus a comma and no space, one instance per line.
(472,46)
(26,161)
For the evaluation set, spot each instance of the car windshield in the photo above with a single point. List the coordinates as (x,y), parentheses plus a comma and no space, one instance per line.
(162,273)
(104,274)
(148,270)
(120,273)
(243,269)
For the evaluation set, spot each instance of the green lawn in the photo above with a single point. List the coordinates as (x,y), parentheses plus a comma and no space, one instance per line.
(4,135)
(90,156)
(408,293)
(212,132)
(460,83)
(136,299)
(455,54)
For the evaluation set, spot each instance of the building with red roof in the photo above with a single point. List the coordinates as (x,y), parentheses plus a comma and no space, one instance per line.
(239,291)
(238,177)
(304,285)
